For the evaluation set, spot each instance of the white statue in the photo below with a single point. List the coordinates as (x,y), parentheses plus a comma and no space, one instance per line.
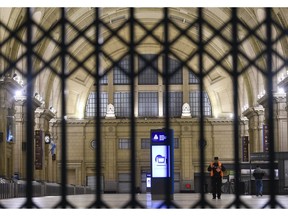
(186,111)
(110,111)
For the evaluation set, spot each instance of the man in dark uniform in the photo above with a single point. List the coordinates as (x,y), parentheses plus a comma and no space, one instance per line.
(216,169)
(258,175)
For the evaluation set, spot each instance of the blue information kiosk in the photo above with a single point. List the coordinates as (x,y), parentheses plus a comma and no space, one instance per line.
(162,164)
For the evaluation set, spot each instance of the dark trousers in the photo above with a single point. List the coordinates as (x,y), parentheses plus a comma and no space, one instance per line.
(216,186)
(259,186)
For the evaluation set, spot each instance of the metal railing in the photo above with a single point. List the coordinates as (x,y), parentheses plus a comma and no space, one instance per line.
(200,22)
(15,189)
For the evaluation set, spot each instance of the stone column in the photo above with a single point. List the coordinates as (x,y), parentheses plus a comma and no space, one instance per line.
(284,144)
(244,128)
(54,127)
(110,171)
(187,167)
(280,119)
(19,156)
(8,87)
(42,118)
(256,121)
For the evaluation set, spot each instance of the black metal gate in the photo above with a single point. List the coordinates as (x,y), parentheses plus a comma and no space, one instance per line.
(233,41)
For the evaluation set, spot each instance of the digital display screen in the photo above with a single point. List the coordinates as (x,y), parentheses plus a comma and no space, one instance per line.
(160,161)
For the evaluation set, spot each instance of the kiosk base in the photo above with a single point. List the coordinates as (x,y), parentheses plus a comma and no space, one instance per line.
(161,196)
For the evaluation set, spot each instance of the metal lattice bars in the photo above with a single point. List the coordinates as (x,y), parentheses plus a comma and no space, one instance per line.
(98,25)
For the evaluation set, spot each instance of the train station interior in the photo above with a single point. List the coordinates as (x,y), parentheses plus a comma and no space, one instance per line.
(70,75)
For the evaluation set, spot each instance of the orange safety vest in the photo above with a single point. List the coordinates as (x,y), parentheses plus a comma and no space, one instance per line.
(219,164)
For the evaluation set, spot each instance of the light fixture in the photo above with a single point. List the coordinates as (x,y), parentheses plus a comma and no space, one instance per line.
(18,93)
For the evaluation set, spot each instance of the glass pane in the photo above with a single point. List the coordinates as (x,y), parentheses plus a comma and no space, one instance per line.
(91,104)
(148,75)
(148,104)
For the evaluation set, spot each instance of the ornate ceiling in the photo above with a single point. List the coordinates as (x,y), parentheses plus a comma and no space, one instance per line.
(217,81)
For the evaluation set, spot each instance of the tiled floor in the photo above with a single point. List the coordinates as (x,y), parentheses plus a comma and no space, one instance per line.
(183,201)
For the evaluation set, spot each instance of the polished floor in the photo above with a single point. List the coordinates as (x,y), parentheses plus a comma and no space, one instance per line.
(182,200)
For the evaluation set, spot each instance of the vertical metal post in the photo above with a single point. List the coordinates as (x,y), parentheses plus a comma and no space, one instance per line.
(30,116)
(270,76)
(201,99)
(97,127)
(63,203)
(133,202)
(202,202)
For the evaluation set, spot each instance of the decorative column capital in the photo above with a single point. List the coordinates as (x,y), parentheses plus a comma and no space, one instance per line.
(252,111)
(20,100)
(277,97)
(284,84)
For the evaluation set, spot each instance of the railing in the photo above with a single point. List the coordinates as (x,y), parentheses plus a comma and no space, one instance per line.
(40,189)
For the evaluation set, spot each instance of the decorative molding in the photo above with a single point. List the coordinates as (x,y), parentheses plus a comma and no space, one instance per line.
(160,121)
(252,111)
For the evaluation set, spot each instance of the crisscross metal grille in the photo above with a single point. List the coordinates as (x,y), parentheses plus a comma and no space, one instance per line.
(64,36)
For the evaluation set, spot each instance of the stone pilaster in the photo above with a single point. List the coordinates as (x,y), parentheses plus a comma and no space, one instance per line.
(42,118)
(19,156)
(8,87)
(280,119)
(256,121)
(110,158)
(284,145)
(187,168)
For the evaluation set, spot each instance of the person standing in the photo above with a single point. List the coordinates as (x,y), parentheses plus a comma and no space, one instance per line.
(216,169)
(258,174)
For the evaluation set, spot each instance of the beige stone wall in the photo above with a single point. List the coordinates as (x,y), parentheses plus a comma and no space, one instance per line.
(115,161)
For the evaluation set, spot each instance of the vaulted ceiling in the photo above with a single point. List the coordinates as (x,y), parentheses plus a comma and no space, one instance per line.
(217,81)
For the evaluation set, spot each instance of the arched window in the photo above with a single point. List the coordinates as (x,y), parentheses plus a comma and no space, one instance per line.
(148,97)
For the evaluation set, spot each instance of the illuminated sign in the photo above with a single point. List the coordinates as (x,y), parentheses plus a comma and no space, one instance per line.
(158,137)
(160,161)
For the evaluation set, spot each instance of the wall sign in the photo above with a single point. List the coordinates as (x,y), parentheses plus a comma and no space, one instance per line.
(38,150)
(265,138)
(245,149)
(158,137)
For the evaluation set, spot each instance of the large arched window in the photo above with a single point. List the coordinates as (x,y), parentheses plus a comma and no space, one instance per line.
(151,97)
